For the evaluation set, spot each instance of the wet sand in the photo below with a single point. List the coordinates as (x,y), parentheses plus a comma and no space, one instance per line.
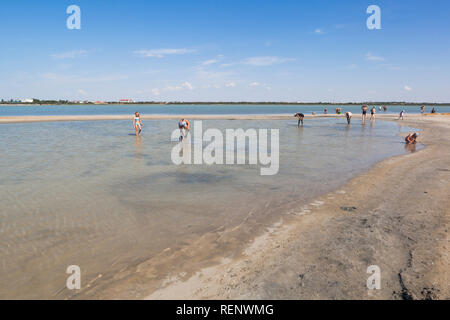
(395,216)
(25,119)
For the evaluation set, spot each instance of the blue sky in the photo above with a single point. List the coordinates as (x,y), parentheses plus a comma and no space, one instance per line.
(226,50)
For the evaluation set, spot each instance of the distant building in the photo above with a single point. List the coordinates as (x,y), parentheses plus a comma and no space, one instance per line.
(126,101)
(27,101)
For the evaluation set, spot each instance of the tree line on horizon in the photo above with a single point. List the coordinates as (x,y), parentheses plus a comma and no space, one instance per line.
(68,102)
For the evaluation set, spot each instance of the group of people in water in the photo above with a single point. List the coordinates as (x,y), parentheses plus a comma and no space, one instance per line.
(410,139)
(184,125)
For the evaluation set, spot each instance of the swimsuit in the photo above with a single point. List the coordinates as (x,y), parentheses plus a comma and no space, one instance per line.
(137,120)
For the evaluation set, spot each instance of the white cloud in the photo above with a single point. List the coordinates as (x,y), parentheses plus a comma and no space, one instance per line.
(407,88)
(160,53)
(184,86)
(224,65)
(319,31)
(230,85)
(187,85)
(208,62)
(70,54)
(265,61)
(254,84)
(370,57)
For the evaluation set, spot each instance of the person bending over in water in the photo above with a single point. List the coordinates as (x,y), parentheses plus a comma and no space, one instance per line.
(364,113)
(185,125)
(300,117)
(411,138)
(137,123)
(349,116)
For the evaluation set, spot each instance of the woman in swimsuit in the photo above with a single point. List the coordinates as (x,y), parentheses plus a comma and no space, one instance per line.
(372,113)
(137,123)
(364,113)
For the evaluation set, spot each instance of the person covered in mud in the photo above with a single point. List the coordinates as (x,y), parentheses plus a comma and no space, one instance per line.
(300,117)
(411,138)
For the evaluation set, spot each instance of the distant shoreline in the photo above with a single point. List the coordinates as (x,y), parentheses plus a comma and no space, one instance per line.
(405,104)
(29,119)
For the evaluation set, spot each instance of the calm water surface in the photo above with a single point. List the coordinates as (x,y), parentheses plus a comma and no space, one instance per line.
(94,195)
(191,109)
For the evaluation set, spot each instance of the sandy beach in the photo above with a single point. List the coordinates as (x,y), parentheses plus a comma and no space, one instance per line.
(26,119)
(395,216)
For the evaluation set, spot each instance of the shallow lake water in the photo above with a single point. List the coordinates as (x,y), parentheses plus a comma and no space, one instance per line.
(94,195)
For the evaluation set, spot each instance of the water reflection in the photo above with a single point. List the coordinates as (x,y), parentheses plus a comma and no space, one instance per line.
(411,147)
(139,147)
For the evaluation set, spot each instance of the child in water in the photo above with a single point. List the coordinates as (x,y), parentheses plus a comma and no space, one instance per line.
(137,123)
